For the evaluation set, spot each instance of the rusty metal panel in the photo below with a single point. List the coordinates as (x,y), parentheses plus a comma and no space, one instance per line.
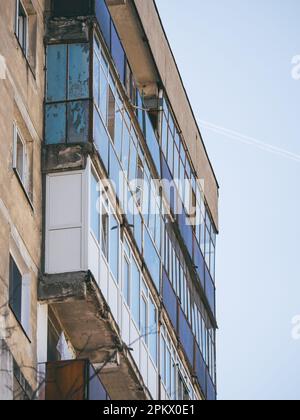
(78,86)
(78,121)
(65,381)
(56,73)
(55,123)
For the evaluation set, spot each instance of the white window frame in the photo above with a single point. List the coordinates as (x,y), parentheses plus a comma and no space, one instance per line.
(25,46)
(22,177)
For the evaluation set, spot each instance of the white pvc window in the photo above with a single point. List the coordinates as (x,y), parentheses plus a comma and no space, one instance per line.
(174,377)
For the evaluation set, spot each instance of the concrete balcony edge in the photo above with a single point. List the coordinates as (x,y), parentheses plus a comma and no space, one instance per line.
(89,324)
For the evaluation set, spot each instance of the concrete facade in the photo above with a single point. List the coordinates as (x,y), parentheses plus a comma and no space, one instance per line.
(22,96)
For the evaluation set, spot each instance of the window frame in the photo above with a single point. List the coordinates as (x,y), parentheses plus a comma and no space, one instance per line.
(24,319)
(126,265)
(105,244)
(12,292)
(24,44)
(97,237)
(23,178)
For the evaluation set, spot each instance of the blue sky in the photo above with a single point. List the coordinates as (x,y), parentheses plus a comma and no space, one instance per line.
(235,59)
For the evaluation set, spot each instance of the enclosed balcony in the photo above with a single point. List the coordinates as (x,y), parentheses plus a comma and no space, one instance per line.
(96,287)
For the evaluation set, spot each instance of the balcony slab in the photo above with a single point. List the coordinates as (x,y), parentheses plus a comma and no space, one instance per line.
(90,326)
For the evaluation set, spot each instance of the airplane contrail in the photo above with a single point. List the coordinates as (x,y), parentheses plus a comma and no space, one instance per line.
(249,140)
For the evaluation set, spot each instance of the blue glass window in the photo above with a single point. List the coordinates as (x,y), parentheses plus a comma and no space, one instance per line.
(135,294)
(170,151)
(186,338)
(114,171)
(201,370)
(164,136)
(118,53)
(126,282)
(140,112)
(138,230)
(168,371)
(130,207)
(125,148)
(103,95)
(114,247)
(210,290)
(101,139)
(133,162)
(152,143)
(153,331)
(103,16)
(152,259)
(118,132)
(163,360)
(176,164)
(144,309)
(170,300)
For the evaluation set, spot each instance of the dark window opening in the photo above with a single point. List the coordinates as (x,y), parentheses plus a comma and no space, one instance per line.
(53,339)
(104,233)
(22,391)
(22,26)
(69,8)
(15,290)
(153,115)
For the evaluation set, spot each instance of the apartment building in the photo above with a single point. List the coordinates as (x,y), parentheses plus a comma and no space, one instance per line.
(108,257)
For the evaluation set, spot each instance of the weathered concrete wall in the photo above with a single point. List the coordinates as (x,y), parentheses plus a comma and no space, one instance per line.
(139,50)
(21,92)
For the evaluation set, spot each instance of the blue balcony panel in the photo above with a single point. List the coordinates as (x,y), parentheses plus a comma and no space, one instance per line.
(211,389)
(201,370)
(210,291)
(152,260)
(56,73)
(186,337)
(55,123)
(170,300)
(199,263)
(186,232)
(104,19)
(78,121)
(118,53)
